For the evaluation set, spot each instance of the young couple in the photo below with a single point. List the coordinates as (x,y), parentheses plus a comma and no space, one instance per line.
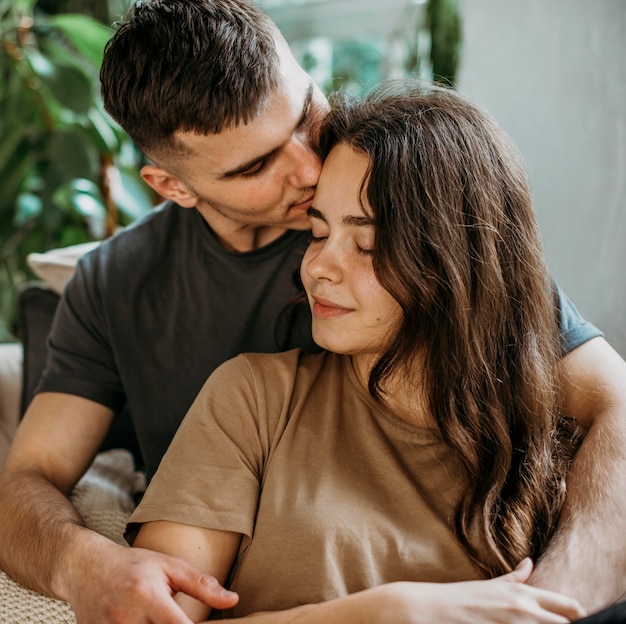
(440,389)
(426,443)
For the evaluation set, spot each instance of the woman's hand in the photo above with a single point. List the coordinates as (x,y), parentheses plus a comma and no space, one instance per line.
(503,600)
(506,599)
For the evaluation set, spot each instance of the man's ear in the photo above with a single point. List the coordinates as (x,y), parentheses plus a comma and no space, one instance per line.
(169,186)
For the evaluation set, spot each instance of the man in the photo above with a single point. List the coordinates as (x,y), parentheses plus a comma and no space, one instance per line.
(210,91)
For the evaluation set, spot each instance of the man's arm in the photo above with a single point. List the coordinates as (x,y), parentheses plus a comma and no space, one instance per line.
(52,449)
(43,541)
(587,557)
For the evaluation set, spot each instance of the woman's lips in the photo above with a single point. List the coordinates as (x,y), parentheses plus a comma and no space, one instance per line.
(326,309)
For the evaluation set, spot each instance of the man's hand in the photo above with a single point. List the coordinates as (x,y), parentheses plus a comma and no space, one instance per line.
(45,545)
(133,585)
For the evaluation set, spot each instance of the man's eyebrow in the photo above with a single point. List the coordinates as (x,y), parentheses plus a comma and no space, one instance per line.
(246,166)
(258,159)
(308,98)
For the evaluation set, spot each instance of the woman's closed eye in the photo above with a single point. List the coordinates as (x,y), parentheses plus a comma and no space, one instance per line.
(364,240)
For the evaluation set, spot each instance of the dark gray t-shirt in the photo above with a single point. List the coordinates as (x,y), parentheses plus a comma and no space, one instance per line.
(153,311)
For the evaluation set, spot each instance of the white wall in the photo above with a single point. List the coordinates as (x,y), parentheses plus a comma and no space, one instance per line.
(553,73)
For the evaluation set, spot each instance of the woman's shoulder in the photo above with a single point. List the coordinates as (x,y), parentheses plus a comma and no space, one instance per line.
(272,380)
(281,368)
(263,389)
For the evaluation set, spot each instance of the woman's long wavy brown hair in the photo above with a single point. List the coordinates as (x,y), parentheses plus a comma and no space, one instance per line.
(457,245)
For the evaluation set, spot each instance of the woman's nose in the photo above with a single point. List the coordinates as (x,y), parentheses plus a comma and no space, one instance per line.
(323,262)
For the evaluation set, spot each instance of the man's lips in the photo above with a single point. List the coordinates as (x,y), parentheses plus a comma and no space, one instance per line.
(304,205)
(327,309)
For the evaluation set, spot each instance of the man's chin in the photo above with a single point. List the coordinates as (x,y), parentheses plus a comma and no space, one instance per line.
(298,222)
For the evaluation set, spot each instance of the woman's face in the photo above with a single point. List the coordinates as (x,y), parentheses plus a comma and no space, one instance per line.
(352,312)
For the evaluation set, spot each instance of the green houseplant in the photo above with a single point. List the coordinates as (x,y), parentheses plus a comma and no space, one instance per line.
(441,23)
(69,174)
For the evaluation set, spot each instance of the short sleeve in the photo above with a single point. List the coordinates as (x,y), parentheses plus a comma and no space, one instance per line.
(81,360)
(574,329)
(210,476)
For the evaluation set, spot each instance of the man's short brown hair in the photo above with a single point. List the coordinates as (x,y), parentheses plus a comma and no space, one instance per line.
(196,66)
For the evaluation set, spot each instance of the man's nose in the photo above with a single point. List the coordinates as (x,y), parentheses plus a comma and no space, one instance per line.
(305,162)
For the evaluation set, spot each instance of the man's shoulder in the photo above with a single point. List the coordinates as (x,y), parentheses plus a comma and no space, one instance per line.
(143,242)
(157,225)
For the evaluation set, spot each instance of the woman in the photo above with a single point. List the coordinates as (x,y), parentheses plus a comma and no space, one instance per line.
(423,446)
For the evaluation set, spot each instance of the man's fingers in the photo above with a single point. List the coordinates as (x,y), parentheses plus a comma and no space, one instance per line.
(162,611)
(187,579)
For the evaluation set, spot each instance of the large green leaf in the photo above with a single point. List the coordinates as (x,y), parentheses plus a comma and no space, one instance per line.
(74,235)
(11,138)
(71,157)
(39,64)
(53,135)
(132,196)
(28,207)
(19,6)
(81,197)
(99,132)
(85,34)
(69,85)
(14,177)
(444,22)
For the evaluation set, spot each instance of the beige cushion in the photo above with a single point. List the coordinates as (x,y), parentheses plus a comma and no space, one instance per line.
(56,267)
(10,394)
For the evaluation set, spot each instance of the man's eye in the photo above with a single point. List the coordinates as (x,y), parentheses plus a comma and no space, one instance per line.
(306,117)
(254,170)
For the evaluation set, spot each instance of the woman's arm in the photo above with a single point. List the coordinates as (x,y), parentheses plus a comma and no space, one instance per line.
(210,551)
(506,598)
(587,557)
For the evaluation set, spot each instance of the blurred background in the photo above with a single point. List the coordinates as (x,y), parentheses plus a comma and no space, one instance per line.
(552,73)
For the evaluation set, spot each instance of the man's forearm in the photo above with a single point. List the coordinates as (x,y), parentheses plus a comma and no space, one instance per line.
(587,557)
(39,528)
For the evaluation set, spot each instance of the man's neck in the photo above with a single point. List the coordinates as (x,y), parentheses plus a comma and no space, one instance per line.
(248,238)
(240,237)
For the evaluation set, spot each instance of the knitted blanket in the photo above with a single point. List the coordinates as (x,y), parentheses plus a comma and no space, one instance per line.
(104,498)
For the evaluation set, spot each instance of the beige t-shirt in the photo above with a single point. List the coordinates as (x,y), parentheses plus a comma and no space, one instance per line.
(332,493)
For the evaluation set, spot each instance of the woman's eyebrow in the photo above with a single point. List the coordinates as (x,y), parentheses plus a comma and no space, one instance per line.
(314,213)
(358,221)
(352,220)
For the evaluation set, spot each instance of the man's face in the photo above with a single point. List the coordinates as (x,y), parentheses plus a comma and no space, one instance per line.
(263,173)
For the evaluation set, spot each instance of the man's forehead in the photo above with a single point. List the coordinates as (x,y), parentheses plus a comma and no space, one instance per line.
(239,147)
